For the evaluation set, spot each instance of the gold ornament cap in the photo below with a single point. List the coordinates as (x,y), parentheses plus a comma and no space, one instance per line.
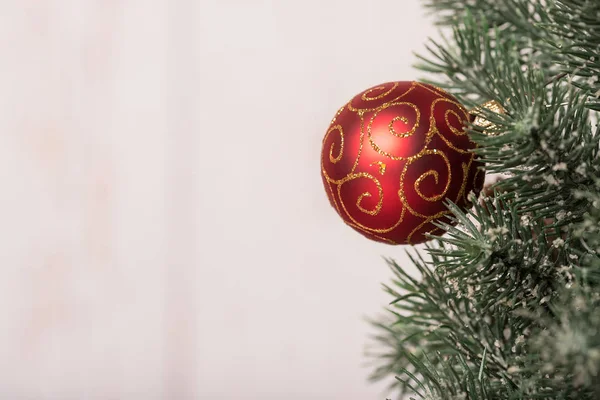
(480,121)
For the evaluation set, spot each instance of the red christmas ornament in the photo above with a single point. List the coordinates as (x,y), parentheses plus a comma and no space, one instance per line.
(393,155)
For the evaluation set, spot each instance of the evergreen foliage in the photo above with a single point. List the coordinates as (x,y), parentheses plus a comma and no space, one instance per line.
(508,302)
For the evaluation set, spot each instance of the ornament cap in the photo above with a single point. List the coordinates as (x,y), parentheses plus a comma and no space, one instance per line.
(479,119)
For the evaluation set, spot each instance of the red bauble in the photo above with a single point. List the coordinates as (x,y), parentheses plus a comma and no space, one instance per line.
(393,155)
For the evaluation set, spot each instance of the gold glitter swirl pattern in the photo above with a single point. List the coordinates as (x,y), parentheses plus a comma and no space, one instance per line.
(405,120)
(324,171)
(353,222)
(377,208)
(365,96)
(337,158)
(425,222)
(463,185)
(458,132)
(420,179)
(449,126)
(373,99)
(369,230)
(392,155)
(436,177)
(409,133)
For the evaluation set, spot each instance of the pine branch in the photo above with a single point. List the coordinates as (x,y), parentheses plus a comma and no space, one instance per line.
(506,304)
(577,23)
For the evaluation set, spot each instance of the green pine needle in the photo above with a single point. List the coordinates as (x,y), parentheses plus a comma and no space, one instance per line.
(506,302)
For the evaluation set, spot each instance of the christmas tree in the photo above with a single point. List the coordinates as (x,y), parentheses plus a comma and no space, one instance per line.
(507,304)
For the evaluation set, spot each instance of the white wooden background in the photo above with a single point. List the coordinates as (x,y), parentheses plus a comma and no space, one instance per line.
(164,230)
